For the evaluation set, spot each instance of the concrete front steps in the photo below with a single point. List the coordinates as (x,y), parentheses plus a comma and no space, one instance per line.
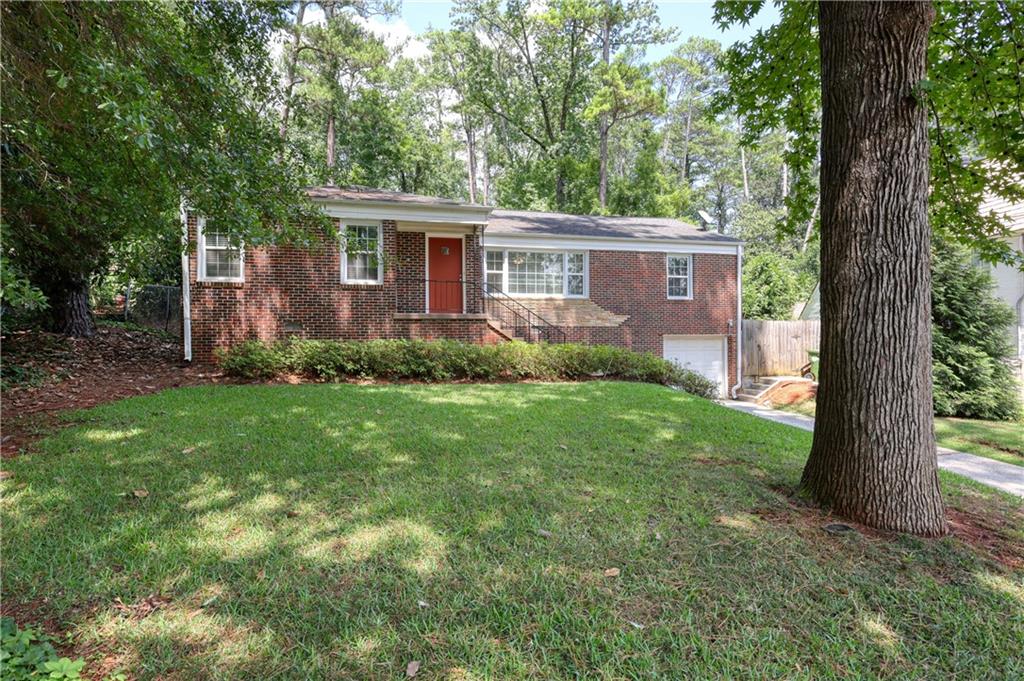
(760,389)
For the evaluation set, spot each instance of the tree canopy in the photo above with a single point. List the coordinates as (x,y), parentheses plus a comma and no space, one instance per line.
(115,113)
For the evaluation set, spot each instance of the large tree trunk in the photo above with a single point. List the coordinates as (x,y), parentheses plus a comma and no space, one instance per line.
(686,142)
(873,459)
(470,158)
(743,167)
(604,124)
(69,307)
(485,175)
(292,59)
(330,148)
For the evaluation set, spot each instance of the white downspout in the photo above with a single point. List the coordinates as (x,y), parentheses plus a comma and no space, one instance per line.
(186,296)
(738,329)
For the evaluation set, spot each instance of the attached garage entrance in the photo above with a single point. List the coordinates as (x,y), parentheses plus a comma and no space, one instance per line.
(704,354)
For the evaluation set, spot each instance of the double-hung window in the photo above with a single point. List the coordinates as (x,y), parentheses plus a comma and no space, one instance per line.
(552,274)
(219,259)
(680,276)
(361,255)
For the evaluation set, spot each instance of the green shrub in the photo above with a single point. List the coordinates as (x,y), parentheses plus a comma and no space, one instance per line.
(445,360)
(28,654)
(971,350)
(253,359)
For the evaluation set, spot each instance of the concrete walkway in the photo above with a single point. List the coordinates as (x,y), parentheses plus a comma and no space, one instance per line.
(1002,476)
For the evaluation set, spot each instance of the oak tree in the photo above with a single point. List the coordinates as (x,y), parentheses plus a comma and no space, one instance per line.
(920,113)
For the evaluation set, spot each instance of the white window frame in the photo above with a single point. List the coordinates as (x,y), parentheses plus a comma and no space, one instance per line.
(201,255)
(344,252)
(565,272)
(689,276)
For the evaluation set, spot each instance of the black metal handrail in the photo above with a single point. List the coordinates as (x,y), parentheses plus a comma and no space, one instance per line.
(523,322)
(415,294)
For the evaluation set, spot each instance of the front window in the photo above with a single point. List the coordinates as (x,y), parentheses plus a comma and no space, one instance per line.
(361,255)
(537,273)
(220,260)
(680,274)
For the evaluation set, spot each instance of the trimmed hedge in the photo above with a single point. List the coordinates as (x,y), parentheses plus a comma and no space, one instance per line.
(444,360)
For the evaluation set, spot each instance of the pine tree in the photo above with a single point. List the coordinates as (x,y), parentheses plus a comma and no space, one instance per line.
(970,345)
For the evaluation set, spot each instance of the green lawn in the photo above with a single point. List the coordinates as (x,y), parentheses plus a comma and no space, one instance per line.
(999,440)
(995,439)
(342,531)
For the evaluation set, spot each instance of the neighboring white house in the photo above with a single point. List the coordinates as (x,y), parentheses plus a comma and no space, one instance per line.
(1009,280)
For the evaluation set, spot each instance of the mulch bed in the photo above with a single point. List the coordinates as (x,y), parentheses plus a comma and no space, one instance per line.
(78,373)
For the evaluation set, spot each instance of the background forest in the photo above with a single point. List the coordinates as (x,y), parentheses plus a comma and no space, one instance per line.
(553,110)
(116,112)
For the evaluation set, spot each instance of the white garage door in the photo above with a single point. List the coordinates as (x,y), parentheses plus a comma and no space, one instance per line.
(703,354)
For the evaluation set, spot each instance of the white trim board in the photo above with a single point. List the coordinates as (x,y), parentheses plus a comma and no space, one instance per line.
(564,243)
(403,213)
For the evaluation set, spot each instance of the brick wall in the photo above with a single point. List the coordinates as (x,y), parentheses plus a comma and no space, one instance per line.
(294,292)
(297,292)
(634,284)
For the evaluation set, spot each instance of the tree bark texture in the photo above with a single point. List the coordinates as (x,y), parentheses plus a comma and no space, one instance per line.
(69,307)
(470,158)
(873,459)
(330,148)
(604,124)
(292,61)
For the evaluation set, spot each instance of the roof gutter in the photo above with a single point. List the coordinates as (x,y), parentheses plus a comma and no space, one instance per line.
(186,293)
(738,330)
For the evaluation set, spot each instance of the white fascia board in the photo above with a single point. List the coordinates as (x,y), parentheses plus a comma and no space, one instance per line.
(346,210)
(563,243)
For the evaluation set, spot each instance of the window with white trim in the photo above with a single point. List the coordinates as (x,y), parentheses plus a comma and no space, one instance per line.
(679,269)
(361,255)
(219,259)
(537,273)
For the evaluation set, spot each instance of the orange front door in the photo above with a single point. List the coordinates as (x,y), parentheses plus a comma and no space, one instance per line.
(444,263)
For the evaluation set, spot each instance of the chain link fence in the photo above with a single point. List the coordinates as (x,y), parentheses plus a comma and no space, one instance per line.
(158,307)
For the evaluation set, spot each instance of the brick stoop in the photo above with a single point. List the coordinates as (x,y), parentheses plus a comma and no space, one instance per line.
(573,312)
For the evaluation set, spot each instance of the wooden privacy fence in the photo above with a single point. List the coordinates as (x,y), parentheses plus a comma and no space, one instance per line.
(778,348)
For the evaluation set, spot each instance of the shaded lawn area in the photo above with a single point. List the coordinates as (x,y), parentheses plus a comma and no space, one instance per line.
(343,531)
(999,440)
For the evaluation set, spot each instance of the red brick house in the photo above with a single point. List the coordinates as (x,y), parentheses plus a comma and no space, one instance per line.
(412,266)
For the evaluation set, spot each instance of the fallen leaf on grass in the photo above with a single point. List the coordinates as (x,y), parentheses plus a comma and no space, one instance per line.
(636,625)
(140,493)
(612,572)
(188,450)
(412,668)
(563,447)
(4,475)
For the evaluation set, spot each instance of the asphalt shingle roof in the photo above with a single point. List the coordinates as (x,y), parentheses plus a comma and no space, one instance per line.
(526,223)
(597,226)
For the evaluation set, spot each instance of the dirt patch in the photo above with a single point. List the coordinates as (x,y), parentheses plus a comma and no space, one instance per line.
(988,535)
(142,608)
(78,373)
(1001,448)
(794,392)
